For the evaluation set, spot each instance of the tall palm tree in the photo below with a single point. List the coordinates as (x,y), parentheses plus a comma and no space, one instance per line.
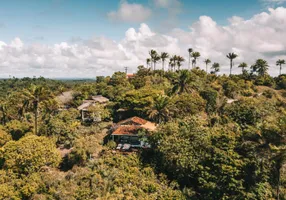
(195,55)
(182,83)
(190,51)
(216,68)
(261,67)
(148,61)
(159,110)
(243,66)
(34,96)
(157,58)
(231,57)
(173,61)
(153,54)
(280,63)
(180,59)
(207,61)
(164,56)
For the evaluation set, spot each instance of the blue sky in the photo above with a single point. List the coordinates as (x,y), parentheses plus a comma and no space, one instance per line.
(87,38)
(50,21)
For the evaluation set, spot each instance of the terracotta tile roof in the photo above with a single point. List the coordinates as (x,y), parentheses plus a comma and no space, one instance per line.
(130,75)
(126,130)
(135,120)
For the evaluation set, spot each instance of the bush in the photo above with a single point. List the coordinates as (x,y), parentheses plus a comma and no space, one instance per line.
(18,129)
(269,93)
(29,154)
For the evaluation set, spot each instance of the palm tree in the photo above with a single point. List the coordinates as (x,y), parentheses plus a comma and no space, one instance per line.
(207,61)
(148,61)
(243,66)
(173,61)
(216,68)
(195,55)
(159,110)
(181,84)
(164,56)
(231,57)
(193,62)
(280,63)
(190,51)
(34,96)
(180,59)
(153,54)
(261,67)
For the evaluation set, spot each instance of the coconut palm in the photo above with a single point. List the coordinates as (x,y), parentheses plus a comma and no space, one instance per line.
(261,67)
(190,51)
(195,55)
(148,61)
(34,96)
(159,110)
(182,83)
(193,62)
(231,57)
(180,59)
(216,68)
(164,56)
(207,61)
(154,57)
(173,61)
(243,66)
(280,63)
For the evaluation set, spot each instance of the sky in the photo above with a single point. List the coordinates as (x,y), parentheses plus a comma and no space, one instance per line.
(89,38)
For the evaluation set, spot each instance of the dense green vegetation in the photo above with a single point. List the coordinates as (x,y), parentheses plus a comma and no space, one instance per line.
(218,137)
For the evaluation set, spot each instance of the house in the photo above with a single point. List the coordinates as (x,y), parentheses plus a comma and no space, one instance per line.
(129,76)
(127,133)
(87,105)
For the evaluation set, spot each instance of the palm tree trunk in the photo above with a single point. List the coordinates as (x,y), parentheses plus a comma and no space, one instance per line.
(195,62)
(154,65)
(230,67)
(280,69)
(163,65)
(207,68)
(36,117)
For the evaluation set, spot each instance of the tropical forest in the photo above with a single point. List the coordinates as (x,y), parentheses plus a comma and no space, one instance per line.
(213,136)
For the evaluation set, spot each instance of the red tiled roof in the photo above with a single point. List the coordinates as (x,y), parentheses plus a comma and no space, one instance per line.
(126,130)
(130,75)
(136,120)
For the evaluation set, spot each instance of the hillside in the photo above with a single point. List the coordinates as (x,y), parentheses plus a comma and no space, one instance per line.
(216,137)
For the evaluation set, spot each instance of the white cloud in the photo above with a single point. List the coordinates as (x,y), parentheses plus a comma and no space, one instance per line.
(130,13)
(262,36)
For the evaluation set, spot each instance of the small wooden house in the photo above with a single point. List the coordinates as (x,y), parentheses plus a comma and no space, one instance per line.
(87,105)
(127,133)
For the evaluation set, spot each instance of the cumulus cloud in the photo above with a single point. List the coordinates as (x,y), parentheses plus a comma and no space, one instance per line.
(262,36)
(130,12)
